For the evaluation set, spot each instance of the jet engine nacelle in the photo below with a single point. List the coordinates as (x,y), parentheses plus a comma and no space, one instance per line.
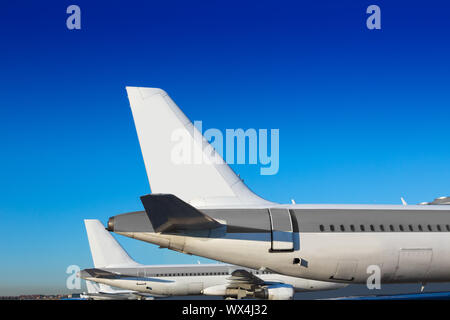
(279,292)
(220,290)
(272,292)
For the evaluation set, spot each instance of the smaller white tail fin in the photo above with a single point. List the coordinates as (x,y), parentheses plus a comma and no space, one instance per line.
(105,250)
(160,126)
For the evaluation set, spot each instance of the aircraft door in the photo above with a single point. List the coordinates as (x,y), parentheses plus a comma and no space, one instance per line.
(282,229)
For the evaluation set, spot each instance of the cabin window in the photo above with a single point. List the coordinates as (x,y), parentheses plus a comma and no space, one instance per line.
(391,227)
(372,228)
(411,228)
(342,227)
(381,227)
(420,227)
(438,227)
(352,227)
(429,228)
(400,227)
(447,227)
(322,228)
(331,227)
(362,228)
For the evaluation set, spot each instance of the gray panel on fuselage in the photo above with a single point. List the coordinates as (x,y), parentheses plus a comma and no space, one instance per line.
(310,220)
(281,219)
(242,220)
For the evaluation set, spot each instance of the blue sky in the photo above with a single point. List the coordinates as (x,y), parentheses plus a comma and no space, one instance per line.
(363,115)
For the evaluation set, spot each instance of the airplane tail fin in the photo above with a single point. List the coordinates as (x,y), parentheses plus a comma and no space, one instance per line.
(178,159)
(105,250)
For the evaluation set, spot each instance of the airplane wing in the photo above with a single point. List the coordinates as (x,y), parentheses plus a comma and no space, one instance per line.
(438,201)
(243,277)
(244,284)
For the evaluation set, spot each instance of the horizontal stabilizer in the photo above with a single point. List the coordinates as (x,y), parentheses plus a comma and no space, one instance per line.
(97,273)
(168,213)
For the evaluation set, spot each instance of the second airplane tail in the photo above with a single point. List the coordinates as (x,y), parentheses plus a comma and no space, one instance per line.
(105,250)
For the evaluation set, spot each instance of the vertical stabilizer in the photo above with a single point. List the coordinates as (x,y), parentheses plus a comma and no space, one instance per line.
(161,127)
(105,250)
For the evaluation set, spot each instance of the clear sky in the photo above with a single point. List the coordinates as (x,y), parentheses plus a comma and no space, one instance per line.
(363,115)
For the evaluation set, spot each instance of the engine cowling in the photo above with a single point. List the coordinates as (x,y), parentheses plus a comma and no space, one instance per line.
(220,290)
(279,292)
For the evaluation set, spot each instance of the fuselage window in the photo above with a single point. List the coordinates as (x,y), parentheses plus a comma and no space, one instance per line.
(352,227)
(411,228)
(429,228)
(420,227)
(400,227)
(438,227)
(362,227)
(381,227)
(322,229)
(342,227)
(447,227)
(372,228)
(331,227)
(391,227)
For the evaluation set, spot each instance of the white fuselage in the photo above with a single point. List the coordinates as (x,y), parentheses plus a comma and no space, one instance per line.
(422,255)
(183,281)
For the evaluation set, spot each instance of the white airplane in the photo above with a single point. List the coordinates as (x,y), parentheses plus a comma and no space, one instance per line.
(114,267)
(104,292)
(205,209)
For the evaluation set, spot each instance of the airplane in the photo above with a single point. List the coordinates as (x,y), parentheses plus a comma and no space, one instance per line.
(206,209)
(104,292)
(114,267)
